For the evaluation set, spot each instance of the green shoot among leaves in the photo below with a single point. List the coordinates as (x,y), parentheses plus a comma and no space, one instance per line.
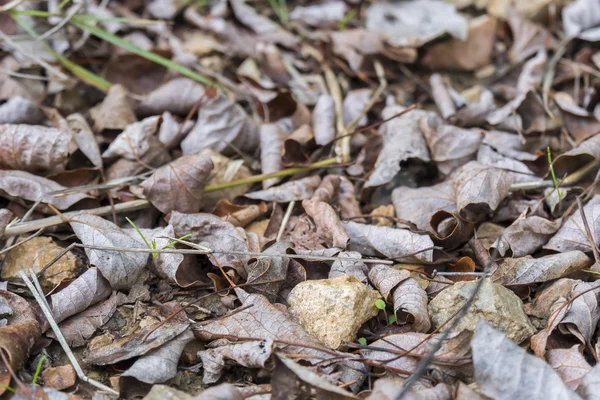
(347,18)
(556,186)
(380,304)
(362,341)
(38,369)
(280,9)
(152,245)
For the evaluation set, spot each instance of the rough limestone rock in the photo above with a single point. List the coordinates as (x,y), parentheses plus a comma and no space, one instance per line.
(496,304)
(333,309)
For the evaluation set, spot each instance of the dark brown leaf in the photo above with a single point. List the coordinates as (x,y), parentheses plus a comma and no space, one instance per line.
(179,185)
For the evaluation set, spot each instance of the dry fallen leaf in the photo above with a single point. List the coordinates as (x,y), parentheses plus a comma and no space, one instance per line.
(294,190)
(525,236)
(323,120)
(570,365)
(18,336)
(271,150)
(120,268)
(34,148)
(179,185)
(505,371)
(19,110)
(115,112)
(135,140)
(572,234)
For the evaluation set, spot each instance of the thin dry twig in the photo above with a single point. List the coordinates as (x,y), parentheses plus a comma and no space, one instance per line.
(285,220)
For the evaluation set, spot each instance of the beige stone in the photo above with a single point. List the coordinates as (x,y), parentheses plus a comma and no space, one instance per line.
(333,309)
(494,303)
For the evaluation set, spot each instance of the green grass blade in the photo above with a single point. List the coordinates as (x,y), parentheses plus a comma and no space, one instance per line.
(38,369)
(556,186)
(77,70)
(86,17)
(126,45)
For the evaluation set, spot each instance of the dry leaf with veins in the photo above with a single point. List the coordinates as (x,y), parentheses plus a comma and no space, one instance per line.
(271,149)
(410,299)
(480,189)
(357,269)
(402,244)
(157,366)
(267,273)
(88,289)
(450,146)
(179,185)
(299,189)
(569,364)
(177,96)
(115,112)
(221,122)
(402,140)
(572,234)
(26,186)
(212,232)
(121,269)
(34,148)
(525,236)
(572,160)
(85,139)
(418,205)
(135,141)
(18,336)
(250,354)
(503,370)
(79,328)
(527,270)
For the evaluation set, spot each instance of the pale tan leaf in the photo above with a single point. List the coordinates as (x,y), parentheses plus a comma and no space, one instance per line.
(85,139)
(34,148)
(115,112)
(88,289)
(323,120)
(570,365)
(450,146)
(357,269)
(480,189)
(135,141)
(354,104)
(526,270)
(177,96)
(179,185)
(221,122)
(320,15)
(79,328)
(224,391)
(251,354)
(212,232)
(418,205)
(26,186)
(271,150)
(299,189)
(505,371)
(402,140)
(393,243)
(327,221)
(525,236)
(5,218)
(572,234)
(157,366)
(572,160)
(19,110)
(346,199)
(121,269)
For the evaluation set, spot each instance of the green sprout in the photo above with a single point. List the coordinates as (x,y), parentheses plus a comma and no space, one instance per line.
(280,9)
(556,186)
(152,245)
(380,304)
(347,18)
(38,369)
(362,341)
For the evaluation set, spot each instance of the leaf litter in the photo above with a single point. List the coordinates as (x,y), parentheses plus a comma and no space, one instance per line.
(279,200)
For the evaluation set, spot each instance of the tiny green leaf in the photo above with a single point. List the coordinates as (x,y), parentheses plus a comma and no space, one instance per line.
(392,319)
(362,341)
(38,369)
(380,304)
